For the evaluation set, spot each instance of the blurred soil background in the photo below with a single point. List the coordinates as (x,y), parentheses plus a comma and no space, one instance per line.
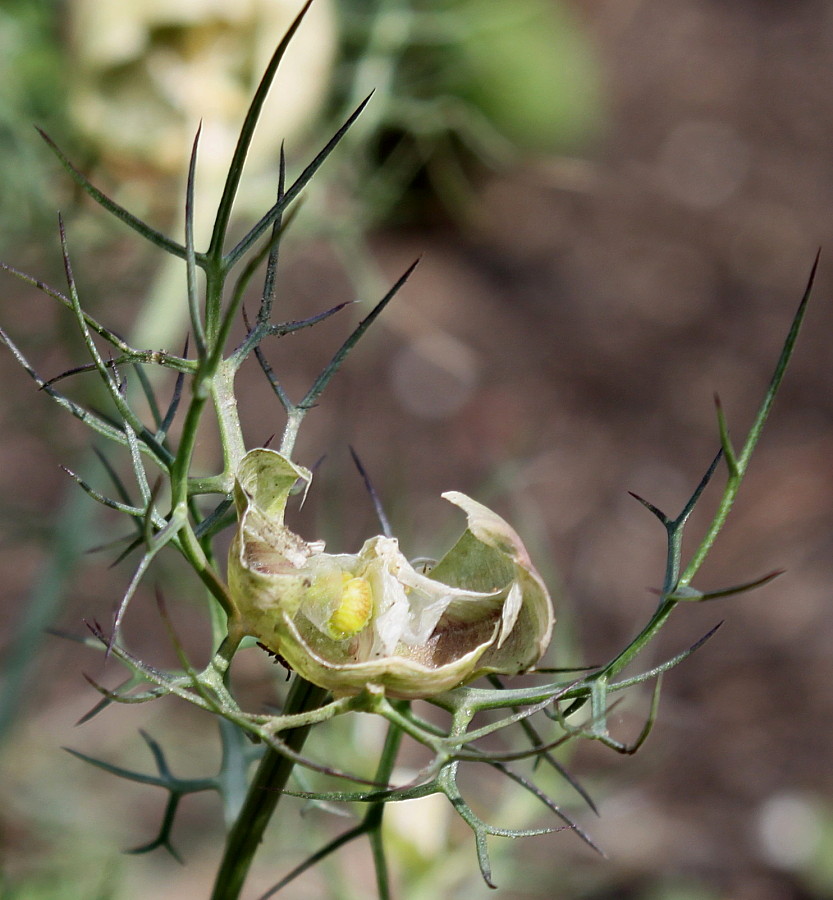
(612,230)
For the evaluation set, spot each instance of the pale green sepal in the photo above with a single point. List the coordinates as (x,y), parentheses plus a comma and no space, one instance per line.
(265,556)
(264,480)
(491,549)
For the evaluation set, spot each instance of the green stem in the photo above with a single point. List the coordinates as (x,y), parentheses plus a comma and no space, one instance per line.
(373,817)
(193,551)
(228,420)
(263,796)
(293,423)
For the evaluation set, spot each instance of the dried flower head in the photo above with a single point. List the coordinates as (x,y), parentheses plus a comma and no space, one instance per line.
(347,621)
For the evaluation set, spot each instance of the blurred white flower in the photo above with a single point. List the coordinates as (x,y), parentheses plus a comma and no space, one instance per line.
(145,73)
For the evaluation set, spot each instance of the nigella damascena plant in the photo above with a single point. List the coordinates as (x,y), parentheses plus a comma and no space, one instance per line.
(350,621)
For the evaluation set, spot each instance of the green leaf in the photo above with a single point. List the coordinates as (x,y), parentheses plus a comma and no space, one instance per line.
(145,230)
(298,185)
(244,141)
(341,354)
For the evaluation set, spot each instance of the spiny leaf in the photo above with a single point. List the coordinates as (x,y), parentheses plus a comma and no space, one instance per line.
(149,394)
(150,234)
(173,406)
(268,296)
(298,185)
(533,789)
(341,354)
(163,839)
(688,593)
(101,498)
(725,440)
(698,491)
(374,497)
(315,858)
(97,422)
(118,771)
(110,381)
(651,508)
(663,667)
(737,473)
(190,253)
(245,138)
(159,540)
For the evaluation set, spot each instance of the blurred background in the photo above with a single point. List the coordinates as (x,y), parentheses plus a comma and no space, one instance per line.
(616,205)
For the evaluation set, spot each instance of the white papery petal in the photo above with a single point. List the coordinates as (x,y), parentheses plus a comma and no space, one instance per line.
(390,617)
(511,609)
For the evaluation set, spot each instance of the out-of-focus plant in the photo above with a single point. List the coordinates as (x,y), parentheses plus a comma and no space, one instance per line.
(368,631)
(143,76)
(146,75)
(30,90)
(460,84)
(496,79)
